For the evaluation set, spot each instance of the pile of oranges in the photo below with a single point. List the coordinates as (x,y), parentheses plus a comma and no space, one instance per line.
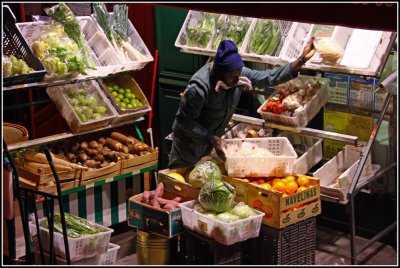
(288,185)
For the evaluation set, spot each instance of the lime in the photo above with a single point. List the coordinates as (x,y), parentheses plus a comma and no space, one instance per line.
(135,105)
(128,90)
(121,96)
(129,106)
(115,93)
(115,87)
(121,91)
(128,95)
(126,100)
(123,105)
(133,95)
(140,104)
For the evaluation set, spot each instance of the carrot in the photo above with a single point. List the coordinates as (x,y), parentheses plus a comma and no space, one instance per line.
(41,158)
(116,145)
(122,138)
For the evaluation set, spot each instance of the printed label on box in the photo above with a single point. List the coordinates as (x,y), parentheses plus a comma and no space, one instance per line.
(202,225)
(338,88)
(361,92)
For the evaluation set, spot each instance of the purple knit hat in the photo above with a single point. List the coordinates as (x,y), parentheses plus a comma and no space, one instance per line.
(227,58)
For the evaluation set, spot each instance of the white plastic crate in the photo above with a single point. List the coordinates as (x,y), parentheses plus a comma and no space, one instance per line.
(295,42)
(222,232)
(136,41)
(308,112)
(311,157)
(192,19)
(274,59)
(280,165)
(79,248)
(107,258)
(58,96)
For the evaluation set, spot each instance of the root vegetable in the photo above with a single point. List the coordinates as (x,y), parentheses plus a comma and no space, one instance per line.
(91,152)
(135,148)
(90,163)
(102,140)
(153,202)
(122,138)
(116,145)
(37,167)
(82,157)
(93,145)
(99,148)
(159,190)
(71,156)
(145,197)
(98,157)
(84,145)
(125,149)
(177,199)
(74,147)
(170,206)
(105,164)
(41,158)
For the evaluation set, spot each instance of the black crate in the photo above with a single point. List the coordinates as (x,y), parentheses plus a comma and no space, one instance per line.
(293,245)
(206,251)
(15,44)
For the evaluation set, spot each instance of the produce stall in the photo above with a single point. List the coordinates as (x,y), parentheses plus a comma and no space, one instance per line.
(259,207)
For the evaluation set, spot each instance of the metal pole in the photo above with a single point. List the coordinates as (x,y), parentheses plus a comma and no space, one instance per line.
(352,231)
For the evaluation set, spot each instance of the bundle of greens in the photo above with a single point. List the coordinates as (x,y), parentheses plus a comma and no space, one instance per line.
(116,30)
(62,14)
(200,35)
(265,37)
(233,28)
(76,226)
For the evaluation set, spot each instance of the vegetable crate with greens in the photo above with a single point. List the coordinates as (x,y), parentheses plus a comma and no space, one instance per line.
(20,66)
(83,105)
(258,157)
(107,258)
(131,52)
(308,149)
(265,40)
(226,228)
(85,239)
(296,102)
(197,32)
(126,97)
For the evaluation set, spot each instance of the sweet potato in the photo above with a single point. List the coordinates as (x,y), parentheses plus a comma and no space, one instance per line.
(84,145)
(159,190)
(170,206)
(116,145)
(125,149)
(145,197)
(102,140)
(122,138)
(153,202)
(93,145)
(91,152)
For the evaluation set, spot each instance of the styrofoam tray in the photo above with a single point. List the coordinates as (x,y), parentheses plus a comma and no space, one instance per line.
(79,248)
(280,165)
(310,109)
(310,158)
(58,96)
(222,232)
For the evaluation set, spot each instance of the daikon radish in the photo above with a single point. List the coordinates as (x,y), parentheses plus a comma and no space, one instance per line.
(41,158)
(35,167)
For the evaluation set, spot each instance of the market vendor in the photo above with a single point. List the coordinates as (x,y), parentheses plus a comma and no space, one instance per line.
(211,97)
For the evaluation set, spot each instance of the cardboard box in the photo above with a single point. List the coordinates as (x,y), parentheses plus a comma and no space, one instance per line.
(152,219)
(241,188)
(281,212)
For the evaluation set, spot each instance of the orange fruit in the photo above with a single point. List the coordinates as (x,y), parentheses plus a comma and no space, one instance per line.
(303,181)
(279,186)
(260,181)
(275,181)
(301,188)
(266,185)
(291,187)
(285,180)
(290,178)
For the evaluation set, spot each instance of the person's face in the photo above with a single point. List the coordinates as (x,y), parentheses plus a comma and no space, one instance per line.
(230,78)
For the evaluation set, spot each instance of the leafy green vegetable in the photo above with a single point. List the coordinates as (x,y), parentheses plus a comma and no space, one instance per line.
(231,27)
(265,37)
(203,172)
(243,211)
(14,66)
(227,217)
(200,35)
(217,196)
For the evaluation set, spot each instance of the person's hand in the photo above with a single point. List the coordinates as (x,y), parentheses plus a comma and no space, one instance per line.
(308,51)
(245,83)
(219,146)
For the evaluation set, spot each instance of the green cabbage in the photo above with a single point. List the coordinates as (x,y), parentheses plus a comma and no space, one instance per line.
(203,172)
(227,217)
(217,196)
(243,211)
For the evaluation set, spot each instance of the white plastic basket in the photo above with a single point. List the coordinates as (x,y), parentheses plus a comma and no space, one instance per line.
(222,232)
(279,165)
(192,19)
(295,41)
(79,248)
(310,158)
(58,96)
(107,258)
(135,40)
(308,112)
(274,59)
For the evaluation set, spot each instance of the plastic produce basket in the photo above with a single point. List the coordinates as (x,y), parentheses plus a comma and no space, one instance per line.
(310,109)
(292,245)
(59,97)
(15,44)
(280,164)
(285,27)
(295,42)
(240,131)
(79,248)
(135,40)
(206,251)
(222,232)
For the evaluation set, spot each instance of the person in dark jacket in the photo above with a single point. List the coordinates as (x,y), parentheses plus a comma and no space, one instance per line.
(211,97)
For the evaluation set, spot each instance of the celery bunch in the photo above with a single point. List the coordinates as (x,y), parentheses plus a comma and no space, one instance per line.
(265,37)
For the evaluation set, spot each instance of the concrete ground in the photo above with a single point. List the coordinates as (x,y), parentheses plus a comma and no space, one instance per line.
(332,248)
